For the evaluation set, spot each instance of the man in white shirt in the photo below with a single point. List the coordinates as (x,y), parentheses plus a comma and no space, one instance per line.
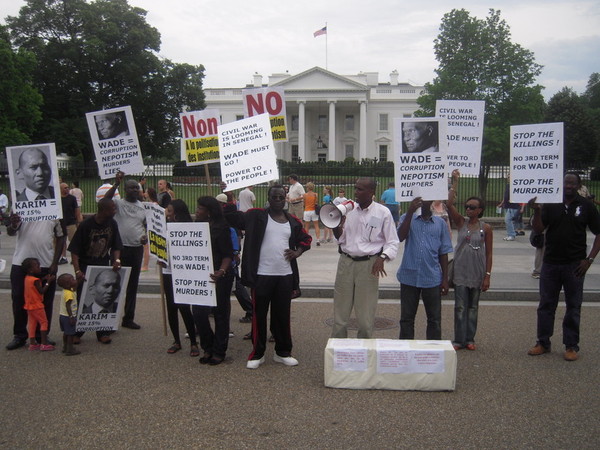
(367,238)
(295,196)
(247,199)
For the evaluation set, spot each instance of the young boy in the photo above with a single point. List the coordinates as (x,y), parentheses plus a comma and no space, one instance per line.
(68,312)
(34,304)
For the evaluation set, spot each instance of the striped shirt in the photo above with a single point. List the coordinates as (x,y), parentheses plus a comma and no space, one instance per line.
(427,240)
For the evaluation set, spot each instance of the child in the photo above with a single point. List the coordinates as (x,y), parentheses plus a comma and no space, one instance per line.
(341,198)
(34,304)
(68,312)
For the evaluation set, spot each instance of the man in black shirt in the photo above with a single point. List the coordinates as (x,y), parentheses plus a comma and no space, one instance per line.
(565,263)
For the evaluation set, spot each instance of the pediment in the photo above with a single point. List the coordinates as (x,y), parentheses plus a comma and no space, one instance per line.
(319,79)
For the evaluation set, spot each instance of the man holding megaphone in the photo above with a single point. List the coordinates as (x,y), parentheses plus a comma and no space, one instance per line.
(367,239)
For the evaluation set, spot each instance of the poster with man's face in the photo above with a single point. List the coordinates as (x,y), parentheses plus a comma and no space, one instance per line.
(115,142)
(34,182)
(102,299)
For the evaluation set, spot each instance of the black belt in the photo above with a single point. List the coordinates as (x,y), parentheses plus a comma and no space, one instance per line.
(359,258)
(297,203)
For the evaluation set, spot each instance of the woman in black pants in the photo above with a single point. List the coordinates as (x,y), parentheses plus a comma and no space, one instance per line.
(177,211)
(214,343)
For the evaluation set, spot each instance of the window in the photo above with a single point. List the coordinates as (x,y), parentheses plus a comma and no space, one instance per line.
(239,117)
(294,153)
(349,122)
(407,115)
(383,122)
(349,150)
(322,122)
(383,153)
(295,123)
(322,157)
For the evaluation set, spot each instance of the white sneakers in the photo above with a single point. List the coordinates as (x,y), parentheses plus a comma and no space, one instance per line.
(509,238)
(285,360)
(255,363)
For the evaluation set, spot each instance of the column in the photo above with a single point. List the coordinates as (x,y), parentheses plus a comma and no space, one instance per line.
(331,143)
(301,130)
(362,151)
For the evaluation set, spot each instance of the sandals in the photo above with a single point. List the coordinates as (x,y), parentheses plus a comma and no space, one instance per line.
(194,351)
(174,348)
(206,358)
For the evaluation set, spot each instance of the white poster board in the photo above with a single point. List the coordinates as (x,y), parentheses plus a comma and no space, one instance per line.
(247,152)
(420,158)
(199,137)
(536,162)
(190,257)
(465,133)
(102,298)
(34,186)
(157,231)
(270,101)
(115,142)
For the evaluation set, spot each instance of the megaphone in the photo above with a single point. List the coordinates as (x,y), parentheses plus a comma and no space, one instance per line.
(331,215)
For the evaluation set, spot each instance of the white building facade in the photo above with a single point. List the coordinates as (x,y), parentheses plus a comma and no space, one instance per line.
(330,117)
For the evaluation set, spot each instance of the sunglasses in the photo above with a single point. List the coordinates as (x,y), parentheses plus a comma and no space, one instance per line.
(471,207)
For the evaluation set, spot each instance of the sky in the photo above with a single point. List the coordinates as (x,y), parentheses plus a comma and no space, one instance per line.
(234,39)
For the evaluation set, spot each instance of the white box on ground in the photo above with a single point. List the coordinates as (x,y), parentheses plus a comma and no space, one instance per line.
(404,365)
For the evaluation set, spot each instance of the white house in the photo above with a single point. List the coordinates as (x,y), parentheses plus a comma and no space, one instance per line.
(330,116)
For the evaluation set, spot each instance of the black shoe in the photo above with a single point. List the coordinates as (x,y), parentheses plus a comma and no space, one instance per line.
(16,343)
(131,324)
(63,261)
(246,319)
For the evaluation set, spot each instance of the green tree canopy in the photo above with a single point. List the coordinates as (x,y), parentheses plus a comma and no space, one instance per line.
(19,100)
(103,54)
(478,61)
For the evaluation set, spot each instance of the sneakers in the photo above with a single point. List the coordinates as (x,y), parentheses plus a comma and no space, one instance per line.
(46,348)
(537,350)
(34,347)
(535,275)
(286,360)
(571,355)
(255,363)
(63,260)
(509,238)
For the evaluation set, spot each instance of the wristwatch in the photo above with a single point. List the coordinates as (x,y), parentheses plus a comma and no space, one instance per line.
(590,260)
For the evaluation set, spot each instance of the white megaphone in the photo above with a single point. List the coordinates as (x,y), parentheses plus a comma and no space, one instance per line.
(331,215)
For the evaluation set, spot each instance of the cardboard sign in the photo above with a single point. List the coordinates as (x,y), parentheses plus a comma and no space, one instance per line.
(465,133)
(115,142)
(247,152)
(199,137)
(536,163)
(34,183)
(420,158)
(269,101)
(157,231)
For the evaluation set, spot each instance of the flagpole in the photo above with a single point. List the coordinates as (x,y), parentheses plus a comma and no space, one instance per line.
(326,36)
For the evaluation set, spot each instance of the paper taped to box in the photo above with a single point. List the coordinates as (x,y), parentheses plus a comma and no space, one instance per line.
(390,364)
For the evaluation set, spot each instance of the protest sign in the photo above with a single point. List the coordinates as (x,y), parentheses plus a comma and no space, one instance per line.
(190,257)
(103,298)
(536,163)
(157,231)
(465,132)
(115,142)
(199,141)
(420,158)
(270,101)
(247,152)
(33,174)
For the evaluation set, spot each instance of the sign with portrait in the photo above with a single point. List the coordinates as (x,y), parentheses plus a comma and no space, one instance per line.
(33,174)
(199,137)
(247,152)
(102,299)
(465,133)
(269,101)
(536,163)
(420,158)
(190,258)
(157,231)
(115,142)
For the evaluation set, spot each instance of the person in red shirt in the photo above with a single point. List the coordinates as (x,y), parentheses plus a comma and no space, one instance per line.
(34,304)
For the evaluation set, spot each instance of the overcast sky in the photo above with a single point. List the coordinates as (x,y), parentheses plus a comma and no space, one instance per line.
(233,39)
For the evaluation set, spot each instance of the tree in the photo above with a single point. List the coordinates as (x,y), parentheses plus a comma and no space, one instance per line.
(580,141)
(478,61)
(99,55)
(19,100)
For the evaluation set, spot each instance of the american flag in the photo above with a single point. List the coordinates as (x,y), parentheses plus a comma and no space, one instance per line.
(320,32)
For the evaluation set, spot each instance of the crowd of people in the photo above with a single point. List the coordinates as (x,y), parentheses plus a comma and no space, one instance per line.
(266,242)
